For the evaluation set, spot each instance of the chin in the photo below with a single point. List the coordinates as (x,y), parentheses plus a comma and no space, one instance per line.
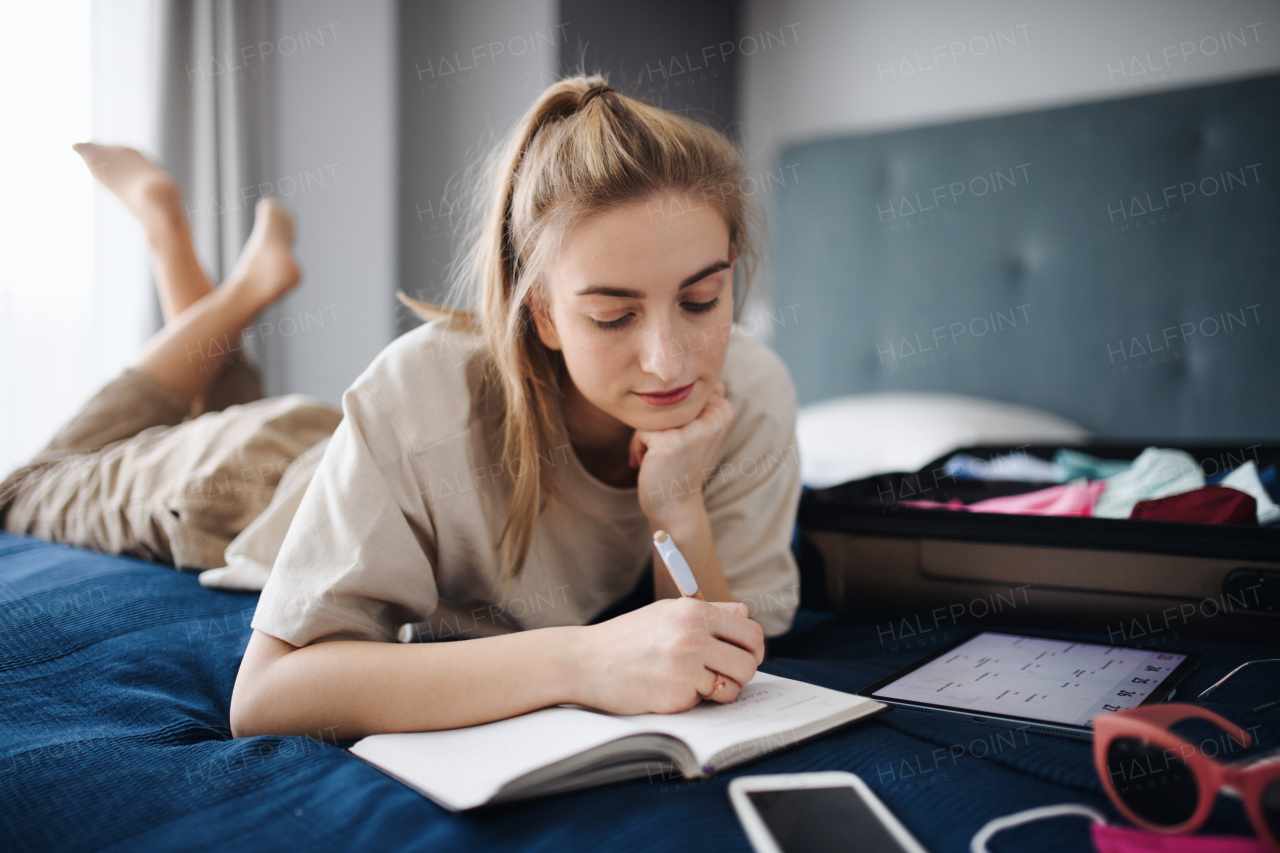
(665,422)
(653,419)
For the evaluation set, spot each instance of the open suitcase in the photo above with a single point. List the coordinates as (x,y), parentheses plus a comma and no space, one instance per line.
(922,572)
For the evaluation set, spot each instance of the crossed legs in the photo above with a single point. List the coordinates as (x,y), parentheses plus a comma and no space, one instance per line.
(194,311)
(135,470)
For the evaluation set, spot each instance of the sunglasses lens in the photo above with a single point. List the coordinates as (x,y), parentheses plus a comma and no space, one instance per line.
(1153,782)
(1271,808)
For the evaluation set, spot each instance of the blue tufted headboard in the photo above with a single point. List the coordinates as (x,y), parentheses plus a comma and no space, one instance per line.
(1117,263)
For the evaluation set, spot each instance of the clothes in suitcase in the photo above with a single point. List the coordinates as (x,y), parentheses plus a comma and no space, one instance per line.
(1120,538)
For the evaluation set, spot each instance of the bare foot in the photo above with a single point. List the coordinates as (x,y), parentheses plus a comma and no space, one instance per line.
(266,269)
(146,189)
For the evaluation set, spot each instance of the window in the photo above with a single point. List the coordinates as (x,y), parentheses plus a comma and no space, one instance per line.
(47,363)
(75,297)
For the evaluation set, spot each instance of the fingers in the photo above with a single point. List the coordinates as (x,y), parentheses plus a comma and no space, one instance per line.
(710,649)
(726,407)
(731,607)
(708,683)
(732,626)
(718,687)
(638,448)
(731,661)
(727,692)
(717,413)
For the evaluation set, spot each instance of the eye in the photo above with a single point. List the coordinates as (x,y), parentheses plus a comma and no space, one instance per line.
(701,307)
(612,324)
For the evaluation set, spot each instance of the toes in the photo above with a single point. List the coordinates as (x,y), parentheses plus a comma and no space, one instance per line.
(92,155)
(274,217)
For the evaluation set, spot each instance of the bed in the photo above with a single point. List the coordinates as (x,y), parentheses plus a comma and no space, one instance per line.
(116,674)
(116,677)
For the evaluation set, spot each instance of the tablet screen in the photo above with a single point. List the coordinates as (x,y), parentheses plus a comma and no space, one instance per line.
(1052,680)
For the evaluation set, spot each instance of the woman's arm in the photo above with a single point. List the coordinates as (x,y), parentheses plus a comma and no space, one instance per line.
(751,500)
(661,658)
(354,688)
(673,464)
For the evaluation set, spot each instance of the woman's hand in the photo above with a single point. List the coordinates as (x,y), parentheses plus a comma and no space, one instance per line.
(667,656)
(673,462)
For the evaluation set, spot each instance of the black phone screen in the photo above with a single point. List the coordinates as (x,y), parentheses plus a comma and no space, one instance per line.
(817,820)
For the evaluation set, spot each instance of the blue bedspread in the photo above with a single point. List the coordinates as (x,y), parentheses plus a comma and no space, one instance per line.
(115,678)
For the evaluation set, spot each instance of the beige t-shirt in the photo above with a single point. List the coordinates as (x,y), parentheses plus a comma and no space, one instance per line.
(404,509)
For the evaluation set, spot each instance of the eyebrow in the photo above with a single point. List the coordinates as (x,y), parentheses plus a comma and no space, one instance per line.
(629,293)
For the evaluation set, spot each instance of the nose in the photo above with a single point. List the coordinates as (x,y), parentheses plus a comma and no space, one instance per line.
(663,356)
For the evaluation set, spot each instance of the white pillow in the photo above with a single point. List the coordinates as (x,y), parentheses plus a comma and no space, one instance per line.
(849,438)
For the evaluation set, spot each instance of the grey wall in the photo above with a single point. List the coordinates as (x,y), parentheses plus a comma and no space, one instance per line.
(378,109)
(860,66)
(404,95)
(334,166)
(467,71)
(680,55)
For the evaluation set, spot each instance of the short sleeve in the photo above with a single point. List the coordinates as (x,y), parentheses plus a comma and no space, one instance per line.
(753,496)
(356,562)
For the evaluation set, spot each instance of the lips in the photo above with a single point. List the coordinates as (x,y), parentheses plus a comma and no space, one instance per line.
(667,398)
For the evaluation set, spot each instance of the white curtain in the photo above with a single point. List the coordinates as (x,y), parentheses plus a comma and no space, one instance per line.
(212,132)
(178,79)
(48,350)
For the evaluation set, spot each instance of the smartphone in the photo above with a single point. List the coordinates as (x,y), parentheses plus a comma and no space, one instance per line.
(817,813)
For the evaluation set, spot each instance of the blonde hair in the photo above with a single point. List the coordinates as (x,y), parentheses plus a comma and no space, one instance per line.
(580,150)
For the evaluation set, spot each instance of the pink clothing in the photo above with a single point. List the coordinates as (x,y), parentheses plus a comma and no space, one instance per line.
(1123,839)
(1074,499)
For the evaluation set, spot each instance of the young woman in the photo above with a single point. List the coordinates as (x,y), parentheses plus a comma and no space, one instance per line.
(505,469)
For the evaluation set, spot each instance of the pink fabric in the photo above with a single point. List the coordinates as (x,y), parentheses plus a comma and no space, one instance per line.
(1074,499)
(1121,839)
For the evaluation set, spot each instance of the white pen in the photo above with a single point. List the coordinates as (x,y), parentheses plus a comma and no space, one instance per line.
(677,565)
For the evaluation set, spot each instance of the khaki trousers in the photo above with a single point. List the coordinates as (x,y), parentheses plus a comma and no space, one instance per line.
(140,471)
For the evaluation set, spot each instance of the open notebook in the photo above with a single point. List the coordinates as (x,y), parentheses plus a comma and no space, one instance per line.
(565,748)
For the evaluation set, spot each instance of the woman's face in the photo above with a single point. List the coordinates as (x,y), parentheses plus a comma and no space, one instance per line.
(639,301)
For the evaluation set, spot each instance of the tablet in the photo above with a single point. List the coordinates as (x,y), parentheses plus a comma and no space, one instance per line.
(1042,684)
